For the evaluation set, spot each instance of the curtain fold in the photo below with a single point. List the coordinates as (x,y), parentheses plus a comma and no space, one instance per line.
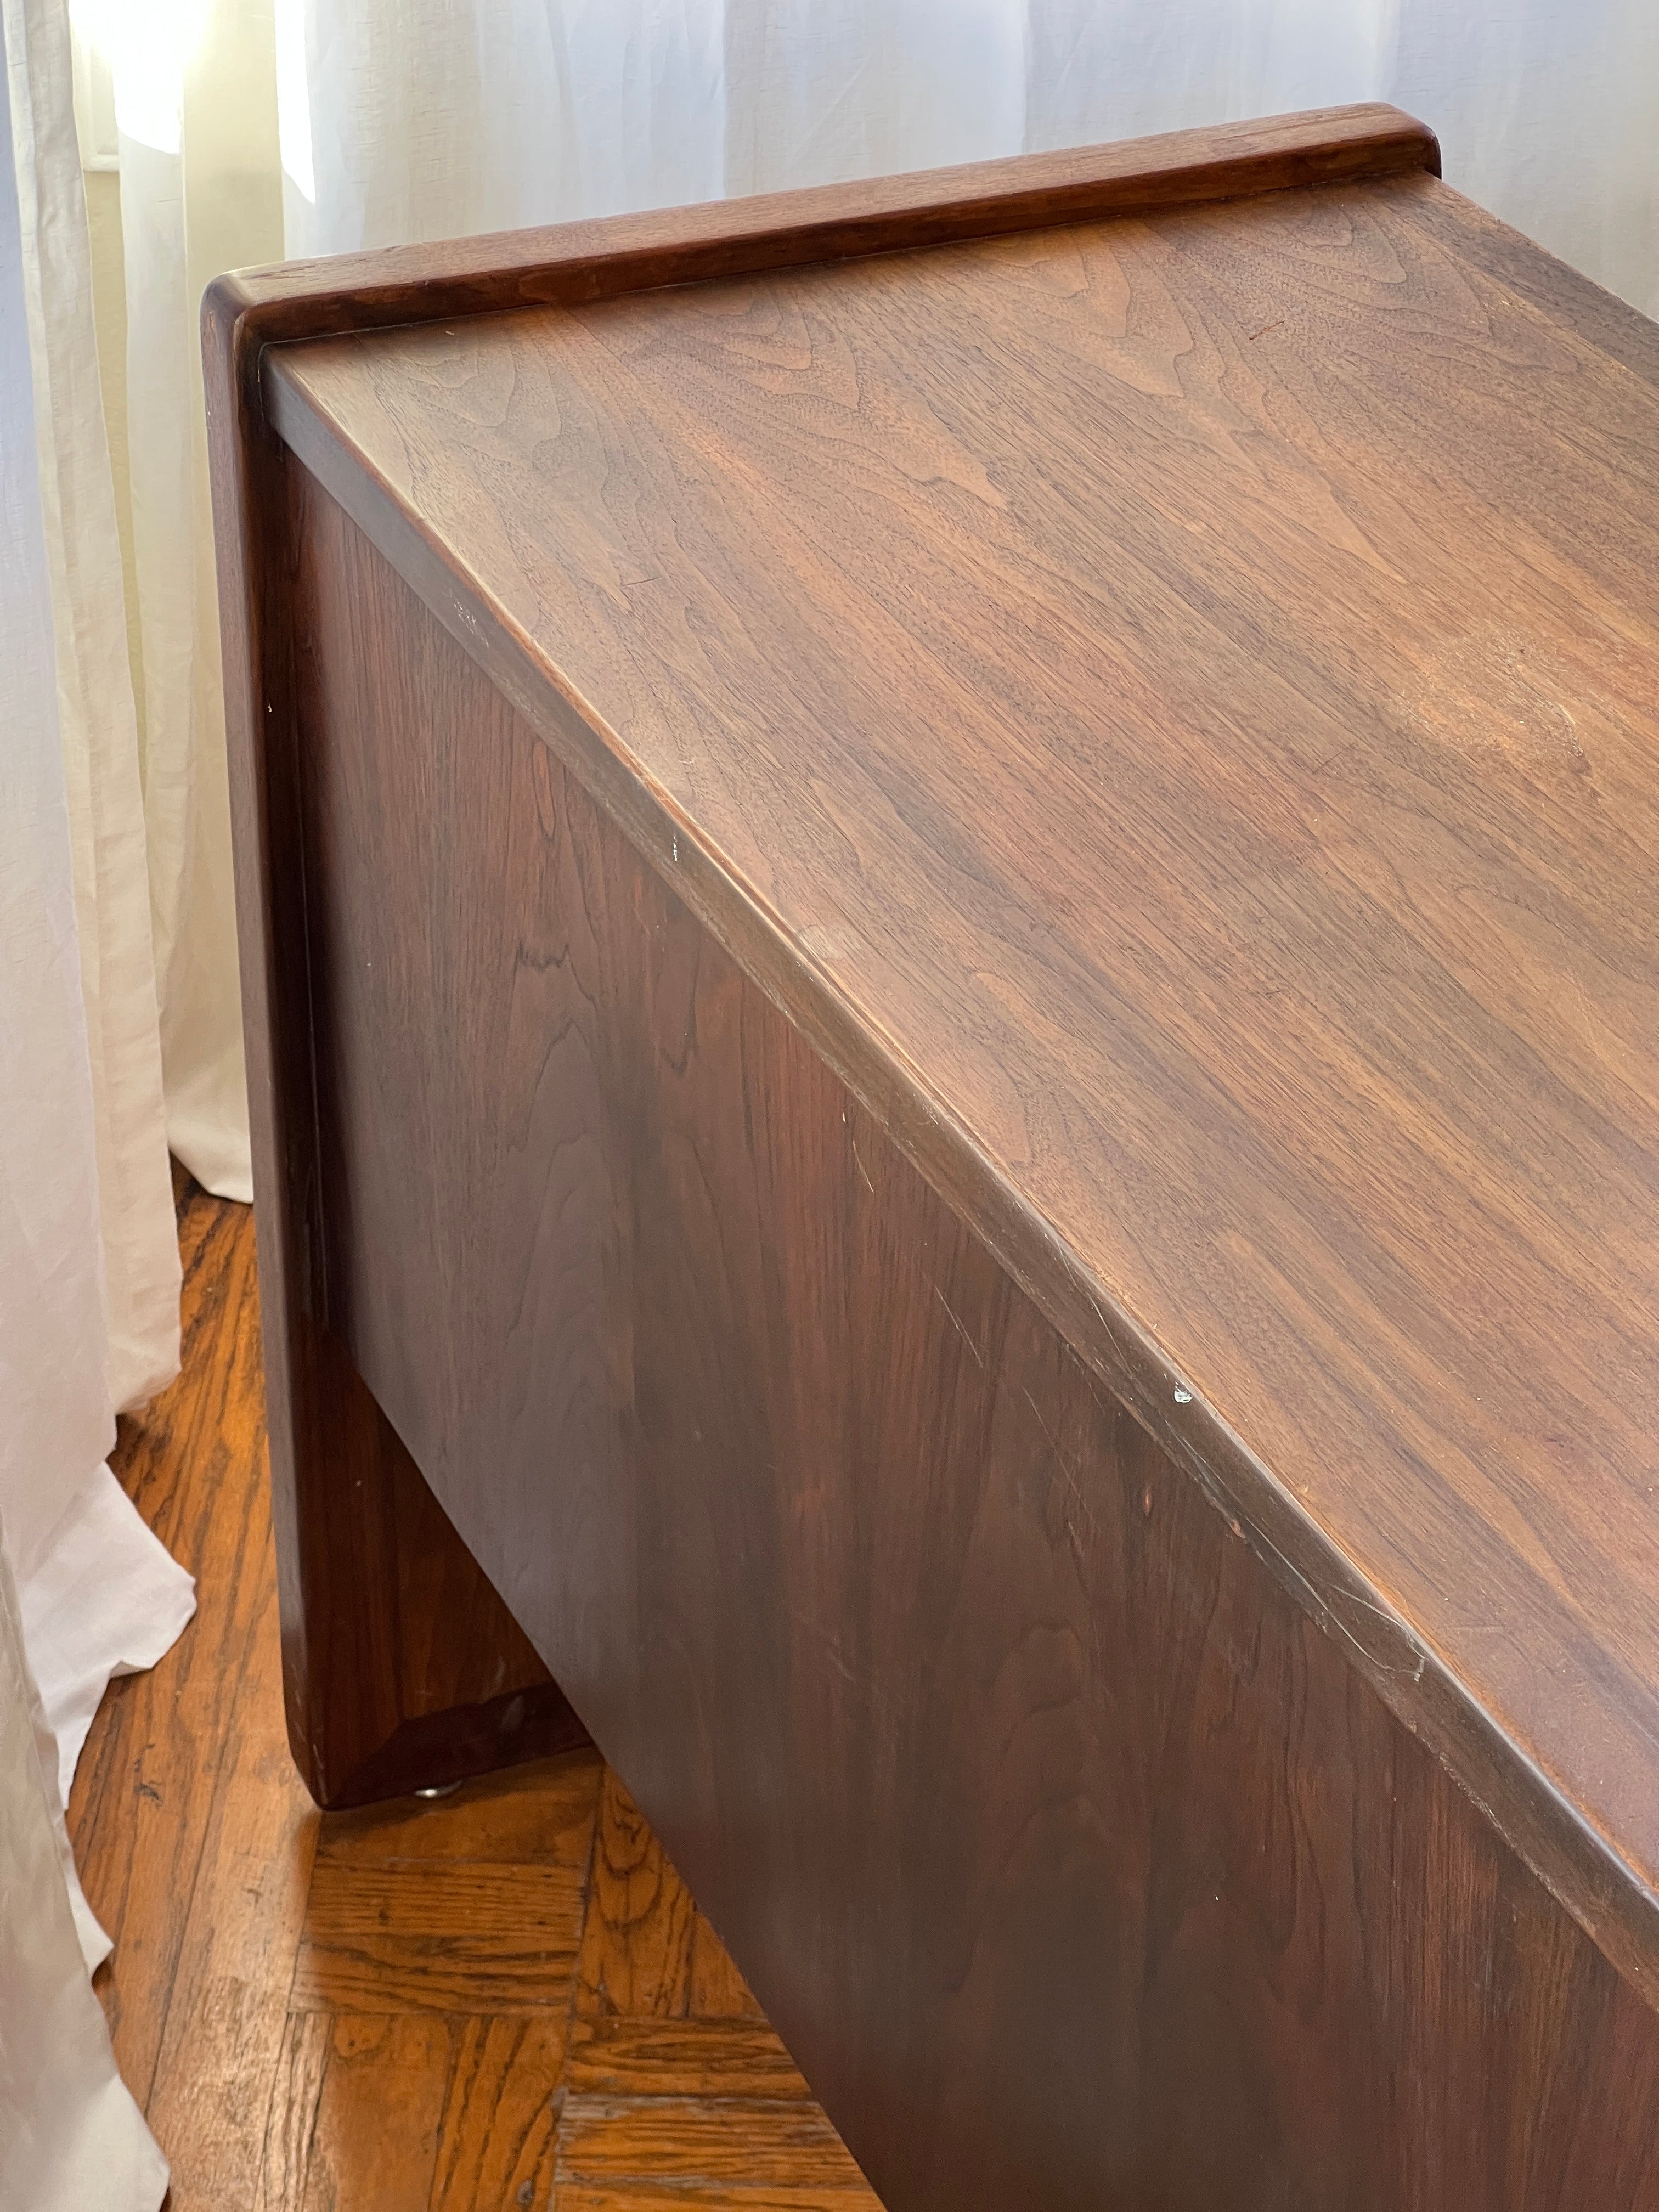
(195,102)
(97,733)
(88,1256)
(71,2135)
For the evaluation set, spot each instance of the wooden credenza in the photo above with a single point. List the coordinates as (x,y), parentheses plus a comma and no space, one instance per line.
(948,908)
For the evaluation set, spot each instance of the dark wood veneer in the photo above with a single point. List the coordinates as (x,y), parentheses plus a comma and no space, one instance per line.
(1074,1863)
(599,259)
(244,315)
(948,965)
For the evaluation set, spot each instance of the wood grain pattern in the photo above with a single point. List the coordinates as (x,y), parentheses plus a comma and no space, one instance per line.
(697,2057)
(295,2093)
(453,278)
(373,2140)
(637,1940)
(1224,862)
(1073,1854)
(196,1833)
(618,2155)
(225,2005)
(659,2009)
(498,2132)
(351,1747)
(446,1938)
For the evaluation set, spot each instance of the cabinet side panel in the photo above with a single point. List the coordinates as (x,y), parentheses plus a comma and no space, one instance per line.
(1075,1864)
(377,1700)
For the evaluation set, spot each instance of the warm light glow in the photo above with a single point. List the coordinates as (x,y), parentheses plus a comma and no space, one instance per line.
(148,45)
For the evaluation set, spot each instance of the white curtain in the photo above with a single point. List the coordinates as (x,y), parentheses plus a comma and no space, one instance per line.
(71,2135)
(88,1260)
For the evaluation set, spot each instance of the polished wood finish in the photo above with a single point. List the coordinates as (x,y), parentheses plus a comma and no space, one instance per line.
(401,1668)
(1067,1852)
(293,2053)
(345,1755)
(571,262)
(1209,1086)
(951,964)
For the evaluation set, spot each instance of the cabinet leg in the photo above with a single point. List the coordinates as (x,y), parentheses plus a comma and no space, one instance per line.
(402,1667)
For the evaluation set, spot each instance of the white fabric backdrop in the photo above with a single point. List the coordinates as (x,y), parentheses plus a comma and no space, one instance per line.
(403,119)
(88,1260)
(71,2135)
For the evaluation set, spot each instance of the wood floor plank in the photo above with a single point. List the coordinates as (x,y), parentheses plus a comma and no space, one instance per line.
(497,2137)
(438,1935)
(637,1942)
(374,2145)
(225,2021)
(620,2057)
(617,2151)
(291,2115)
(780,2196)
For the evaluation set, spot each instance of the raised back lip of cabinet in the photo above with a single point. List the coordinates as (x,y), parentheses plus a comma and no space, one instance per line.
(259,405)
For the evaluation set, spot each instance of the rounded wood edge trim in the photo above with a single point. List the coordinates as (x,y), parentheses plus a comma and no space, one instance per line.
(612,254)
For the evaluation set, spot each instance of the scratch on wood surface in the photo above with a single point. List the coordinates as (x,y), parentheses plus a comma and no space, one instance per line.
(1067,1474)
(956,1323)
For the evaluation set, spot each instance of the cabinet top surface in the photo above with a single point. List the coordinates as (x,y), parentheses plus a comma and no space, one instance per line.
(1192,684)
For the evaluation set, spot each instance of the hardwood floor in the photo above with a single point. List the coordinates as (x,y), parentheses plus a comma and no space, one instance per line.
(504,1999)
